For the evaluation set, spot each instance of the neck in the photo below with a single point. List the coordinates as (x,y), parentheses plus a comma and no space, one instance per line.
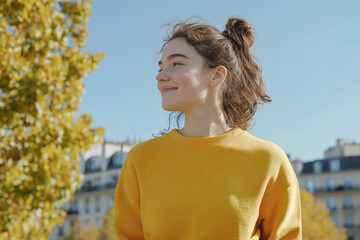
(204,124)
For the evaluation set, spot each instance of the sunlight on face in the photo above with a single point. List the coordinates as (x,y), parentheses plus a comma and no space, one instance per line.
(182,72)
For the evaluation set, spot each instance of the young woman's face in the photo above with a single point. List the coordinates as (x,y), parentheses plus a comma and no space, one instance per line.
(182,80)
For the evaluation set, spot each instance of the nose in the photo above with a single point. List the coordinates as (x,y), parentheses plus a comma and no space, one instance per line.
(162,76)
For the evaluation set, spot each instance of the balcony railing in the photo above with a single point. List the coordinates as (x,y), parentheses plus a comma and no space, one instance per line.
(85,189)
(336,189)
(332,209)
(114,165)
(72,211)
(349,225)
(348,207)
(92,170)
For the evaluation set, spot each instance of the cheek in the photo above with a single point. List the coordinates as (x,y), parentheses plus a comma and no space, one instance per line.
(191,81)
(191,88)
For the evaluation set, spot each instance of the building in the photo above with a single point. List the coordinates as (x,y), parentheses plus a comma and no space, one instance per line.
(335,181)
(101,167)
(343,149)
(296,164)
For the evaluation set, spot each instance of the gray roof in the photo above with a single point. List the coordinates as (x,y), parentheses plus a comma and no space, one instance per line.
(346,164)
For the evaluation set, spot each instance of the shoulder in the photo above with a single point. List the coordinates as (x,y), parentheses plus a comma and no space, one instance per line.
(269,148)
(273,157)
(145,149)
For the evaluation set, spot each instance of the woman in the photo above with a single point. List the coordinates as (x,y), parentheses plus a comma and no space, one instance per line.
(211,179)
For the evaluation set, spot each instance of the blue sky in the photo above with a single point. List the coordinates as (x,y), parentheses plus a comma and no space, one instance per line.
(309,52)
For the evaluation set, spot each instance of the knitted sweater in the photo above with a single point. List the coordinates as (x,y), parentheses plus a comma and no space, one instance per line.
(231,186)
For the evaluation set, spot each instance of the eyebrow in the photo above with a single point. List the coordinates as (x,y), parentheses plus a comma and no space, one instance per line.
(174,56)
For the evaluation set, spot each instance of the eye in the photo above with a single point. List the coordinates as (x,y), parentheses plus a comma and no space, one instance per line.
(176,64)
(160,70)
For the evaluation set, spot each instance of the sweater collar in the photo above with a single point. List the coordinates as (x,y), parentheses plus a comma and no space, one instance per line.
(230,136)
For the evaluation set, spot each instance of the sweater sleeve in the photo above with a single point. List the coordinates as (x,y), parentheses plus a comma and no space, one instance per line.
(127,203)
(280,211)
(283,219)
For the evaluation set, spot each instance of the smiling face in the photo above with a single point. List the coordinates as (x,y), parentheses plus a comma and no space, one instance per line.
(182,73)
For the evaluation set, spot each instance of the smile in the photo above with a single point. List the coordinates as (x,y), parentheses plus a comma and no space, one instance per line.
(168,90)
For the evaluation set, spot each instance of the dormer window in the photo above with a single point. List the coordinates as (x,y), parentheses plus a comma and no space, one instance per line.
(335,165)
(317,167)
(118,159)
(91,164)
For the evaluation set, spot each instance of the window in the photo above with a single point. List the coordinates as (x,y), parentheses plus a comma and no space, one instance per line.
(110,202)
(330,184)
(73,205)
(310,186)
(93,164)
(61,231)
(87,184)
(114,180)
(333,219)
(331,203)
(87,203)
(97,182)
(348,183)
(97,204)
(335,165)
(98,222)
(348,202)
(317,167)
(349,221)
(118,159)
(90,164)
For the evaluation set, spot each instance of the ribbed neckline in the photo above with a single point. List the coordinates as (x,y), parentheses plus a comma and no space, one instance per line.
(230,136)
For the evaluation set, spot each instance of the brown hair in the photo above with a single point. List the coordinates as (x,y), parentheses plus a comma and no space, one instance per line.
(244,86)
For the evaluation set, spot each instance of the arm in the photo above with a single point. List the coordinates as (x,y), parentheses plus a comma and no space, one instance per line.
(280,210)
(127,204)
(282,216)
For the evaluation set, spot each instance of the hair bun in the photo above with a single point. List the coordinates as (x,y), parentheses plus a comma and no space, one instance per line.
(239,29)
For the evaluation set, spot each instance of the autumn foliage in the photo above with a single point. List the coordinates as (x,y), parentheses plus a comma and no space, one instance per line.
(316,220)
(80,232)
(106,232)
(42,64)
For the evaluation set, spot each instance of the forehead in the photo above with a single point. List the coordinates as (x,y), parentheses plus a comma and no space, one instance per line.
(179,46)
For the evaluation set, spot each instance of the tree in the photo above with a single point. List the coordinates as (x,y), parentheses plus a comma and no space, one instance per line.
(108,228)
(316,221)
(42,64)
(78,231)
(93,233)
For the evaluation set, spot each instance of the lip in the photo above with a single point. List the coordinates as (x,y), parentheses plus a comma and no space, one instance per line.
(168,89)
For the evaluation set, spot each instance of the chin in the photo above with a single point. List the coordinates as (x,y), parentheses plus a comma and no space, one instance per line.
(169,107)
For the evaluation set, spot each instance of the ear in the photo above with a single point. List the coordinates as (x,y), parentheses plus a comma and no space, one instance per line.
(219,76)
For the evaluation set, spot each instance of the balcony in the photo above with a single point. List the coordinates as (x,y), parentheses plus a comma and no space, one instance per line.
(340,188)
(348,207)
(94,188)
(332,209)
(92,170)
(349,225)
(72,212)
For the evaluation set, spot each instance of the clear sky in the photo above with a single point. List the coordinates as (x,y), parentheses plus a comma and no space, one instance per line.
(309,52)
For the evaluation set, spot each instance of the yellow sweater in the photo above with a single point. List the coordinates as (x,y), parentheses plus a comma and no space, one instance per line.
(232,186)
